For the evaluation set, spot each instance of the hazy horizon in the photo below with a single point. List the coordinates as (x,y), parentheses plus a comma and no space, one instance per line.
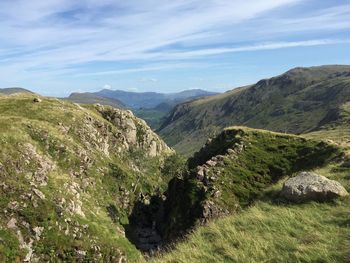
(58,47)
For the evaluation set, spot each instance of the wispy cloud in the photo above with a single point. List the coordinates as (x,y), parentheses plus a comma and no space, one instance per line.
(57,38)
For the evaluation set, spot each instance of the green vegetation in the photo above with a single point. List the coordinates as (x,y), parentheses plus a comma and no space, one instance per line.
(268,232)
(233,170)
(9,91)
(62,168)
(153,117)
(338,130)
(300,101)
(86,183)
(90,98)
(272,230)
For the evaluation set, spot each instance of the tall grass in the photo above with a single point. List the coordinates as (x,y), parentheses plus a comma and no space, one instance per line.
(270,232)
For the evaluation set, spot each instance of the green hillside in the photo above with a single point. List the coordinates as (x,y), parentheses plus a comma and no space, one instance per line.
(300,101)
(233,170)
(9,91)
(90,98)
(93,183)
(69,178)
(231,198)
(336,129)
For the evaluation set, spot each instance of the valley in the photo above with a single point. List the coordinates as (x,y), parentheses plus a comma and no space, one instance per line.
(85,180)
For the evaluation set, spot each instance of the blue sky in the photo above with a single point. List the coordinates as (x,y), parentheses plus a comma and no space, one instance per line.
(55,47)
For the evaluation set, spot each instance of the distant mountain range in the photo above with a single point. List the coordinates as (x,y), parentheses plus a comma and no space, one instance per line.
(299,101)
(150,106)
(138,100)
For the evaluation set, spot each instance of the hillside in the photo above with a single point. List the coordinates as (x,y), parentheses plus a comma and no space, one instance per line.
(233,170)
(238,177)
(150,100)
(337,128)
(90,98)
(149,106)
(69,178)
(9,91)
(94,183)
(299,101)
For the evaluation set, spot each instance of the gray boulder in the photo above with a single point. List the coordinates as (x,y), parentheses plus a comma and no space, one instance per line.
(308,186)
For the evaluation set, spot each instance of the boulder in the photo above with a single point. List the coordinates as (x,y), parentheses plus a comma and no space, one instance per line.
(308,186)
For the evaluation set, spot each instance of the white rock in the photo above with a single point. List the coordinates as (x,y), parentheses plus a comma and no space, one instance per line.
(309,186)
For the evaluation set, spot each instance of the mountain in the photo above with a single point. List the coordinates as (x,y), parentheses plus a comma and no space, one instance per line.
(9,91)
(90,98)
(299,101)
(93,183)
(150,106)
(151,100)
(70,176)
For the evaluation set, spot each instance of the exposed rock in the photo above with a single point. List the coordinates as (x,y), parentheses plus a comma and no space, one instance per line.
(39,194)
(309,186)
(43,163)
(153,149)
(75,207)
(133,132)
(13,205)
(230,151)
(12,224)
(200,173)
(211,163)
(38,231)
(37,100)
(220,157)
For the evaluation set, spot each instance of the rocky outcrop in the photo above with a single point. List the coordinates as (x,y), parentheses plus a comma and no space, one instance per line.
(308,186)
(61,170)
(134,132)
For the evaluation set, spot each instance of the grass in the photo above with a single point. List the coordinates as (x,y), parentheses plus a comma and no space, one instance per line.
(79,158)
(240,178)
(271,230)
(337,131)
(153,117)
(268,232)
(297,102)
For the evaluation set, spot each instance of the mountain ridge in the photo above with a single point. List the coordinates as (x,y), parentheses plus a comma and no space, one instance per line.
(294,102)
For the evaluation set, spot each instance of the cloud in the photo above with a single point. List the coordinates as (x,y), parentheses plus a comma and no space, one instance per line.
(107,86)
(56,39)
(61,32)
(256,47)
(148,80)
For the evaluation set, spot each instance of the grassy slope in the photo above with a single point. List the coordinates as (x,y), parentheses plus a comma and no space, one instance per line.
(9,91)
(153,117)
(338,130)
(90,98)
(271,230)
(295,102)
(240,177)
(80,170)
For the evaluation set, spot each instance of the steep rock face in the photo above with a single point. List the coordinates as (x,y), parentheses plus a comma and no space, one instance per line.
(69,179)
(298,101)
(134,132)
(232,170)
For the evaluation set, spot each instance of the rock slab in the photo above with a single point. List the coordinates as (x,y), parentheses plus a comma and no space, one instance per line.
(308,186)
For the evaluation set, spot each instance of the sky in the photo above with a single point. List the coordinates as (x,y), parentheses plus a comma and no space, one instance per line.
(55,47)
